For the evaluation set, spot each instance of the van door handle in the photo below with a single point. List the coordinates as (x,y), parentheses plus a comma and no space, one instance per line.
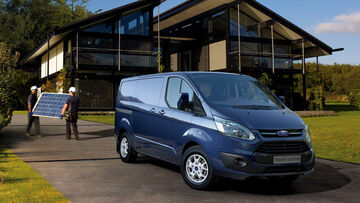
(152,110)
(162,112)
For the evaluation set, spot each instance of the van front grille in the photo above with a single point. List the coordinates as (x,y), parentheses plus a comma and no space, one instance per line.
(283,148)
(274,133)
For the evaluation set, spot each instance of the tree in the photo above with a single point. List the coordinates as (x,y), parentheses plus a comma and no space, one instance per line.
(7,84)
(25,24)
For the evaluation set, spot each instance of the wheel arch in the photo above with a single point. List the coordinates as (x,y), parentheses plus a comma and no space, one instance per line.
(188,145)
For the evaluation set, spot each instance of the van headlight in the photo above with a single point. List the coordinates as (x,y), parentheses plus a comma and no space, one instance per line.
(233,129)
(307,134)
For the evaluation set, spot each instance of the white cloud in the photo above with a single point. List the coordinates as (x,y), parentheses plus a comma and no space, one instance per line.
(347,23)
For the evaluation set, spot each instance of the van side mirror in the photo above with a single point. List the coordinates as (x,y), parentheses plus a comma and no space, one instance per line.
(183,101)
(282,99)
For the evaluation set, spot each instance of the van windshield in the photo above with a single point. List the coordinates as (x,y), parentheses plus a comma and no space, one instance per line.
(235,91)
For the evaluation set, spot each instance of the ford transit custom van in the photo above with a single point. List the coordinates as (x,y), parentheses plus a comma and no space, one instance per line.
(212,125)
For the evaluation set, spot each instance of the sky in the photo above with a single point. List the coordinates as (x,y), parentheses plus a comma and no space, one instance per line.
(336,23)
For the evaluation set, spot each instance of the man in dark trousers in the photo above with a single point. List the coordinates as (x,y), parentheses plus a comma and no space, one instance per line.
(32,99)
(71,106)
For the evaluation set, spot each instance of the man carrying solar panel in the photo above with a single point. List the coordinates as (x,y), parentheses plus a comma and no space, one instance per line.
(32,99)
(70,112)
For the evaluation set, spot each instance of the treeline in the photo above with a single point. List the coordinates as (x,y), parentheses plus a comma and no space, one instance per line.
(25,24)
(336,79)
(330,82)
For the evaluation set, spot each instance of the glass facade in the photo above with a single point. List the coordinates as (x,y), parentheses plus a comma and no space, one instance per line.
(134,24)
(248,26)
(95,94)
(217,24)
(256,44)
(102,28)
(99,44)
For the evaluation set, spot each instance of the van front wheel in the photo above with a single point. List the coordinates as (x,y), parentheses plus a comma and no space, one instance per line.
(126,151)
(196,169)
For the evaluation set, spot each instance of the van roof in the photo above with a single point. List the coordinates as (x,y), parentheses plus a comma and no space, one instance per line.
(186,74)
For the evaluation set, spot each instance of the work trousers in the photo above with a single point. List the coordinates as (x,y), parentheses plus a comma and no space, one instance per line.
(73,123)
(36,121)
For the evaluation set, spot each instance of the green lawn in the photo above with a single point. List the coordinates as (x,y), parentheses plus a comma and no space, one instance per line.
(19,112)
(99,118)
(337,137)
(20,183)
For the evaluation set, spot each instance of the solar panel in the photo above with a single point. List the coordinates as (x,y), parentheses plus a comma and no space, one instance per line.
(50,105)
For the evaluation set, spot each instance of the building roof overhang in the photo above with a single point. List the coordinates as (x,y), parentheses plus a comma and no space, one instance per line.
(192,8)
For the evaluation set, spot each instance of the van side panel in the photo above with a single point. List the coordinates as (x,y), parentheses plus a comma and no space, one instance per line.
(145,112)
(124,108)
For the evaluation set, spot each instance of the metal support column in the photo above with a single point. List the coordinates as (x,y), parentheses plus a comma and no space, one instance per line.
(48,58)
(158,29)
(239,36)
(304,73)
(77,49)
(317,64)
(119,47)
(272,48)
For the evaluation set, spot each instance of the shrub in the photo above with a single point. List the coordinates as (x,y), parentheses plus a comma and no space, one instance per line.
(266,80)
(354,98)
(7,84)
(24,80)
(317,99)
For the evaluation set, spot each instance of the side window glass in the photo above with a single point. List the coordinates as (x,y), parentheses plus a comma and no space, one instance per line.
(175,87)
(185,88)
(173,92)
(128,91)
(148,90)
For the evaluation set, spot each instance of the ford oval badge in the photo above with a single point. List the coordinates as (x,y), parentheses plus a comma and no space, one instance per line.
(283,133)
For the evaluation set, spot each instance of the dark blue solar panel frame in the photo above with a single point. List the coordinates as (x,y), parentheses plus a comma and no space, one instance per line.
(50,105)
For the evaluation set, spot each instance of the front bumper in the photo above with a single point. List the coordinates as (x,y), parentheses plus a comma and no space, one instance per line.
(241,167)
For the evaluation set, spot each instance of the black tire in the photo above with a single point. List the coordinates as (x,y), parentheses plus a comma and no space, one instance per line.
(130,154)
(284,180)
(207,183)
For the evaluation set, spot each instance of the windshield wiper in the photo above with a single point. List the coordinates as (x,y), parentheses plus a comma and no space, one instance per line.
(254,107)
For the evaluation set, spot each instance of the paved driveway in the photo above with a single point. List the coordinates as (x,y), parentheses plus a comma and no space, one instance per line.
(89,170)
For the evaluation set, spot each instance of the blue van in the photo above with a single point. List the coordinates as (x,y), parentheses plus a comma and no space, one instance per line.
(212,125)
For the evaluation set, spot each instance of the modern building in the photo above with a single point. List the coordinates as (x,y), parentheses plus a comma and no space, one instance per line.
(197,35)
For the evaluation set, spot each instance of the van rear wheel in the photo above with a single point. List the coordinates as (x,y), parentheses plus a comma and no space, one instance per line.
(126,150)
(196,169)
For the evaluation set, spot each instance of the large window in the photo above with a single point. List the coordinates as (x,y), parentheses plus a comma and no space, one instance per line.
(134,24)
(96,42)
(102,28)
(248,26)
(217,24)
(100,59)
(95,94)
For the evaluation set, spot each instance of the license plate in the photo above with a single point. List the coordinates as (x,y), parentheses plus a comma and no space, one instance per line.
(287,159)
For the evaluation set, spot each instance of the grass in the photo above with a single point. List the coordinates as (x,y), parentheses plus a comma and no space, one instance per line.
(20,183)
(19,112)
(337,137)
(107,119)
